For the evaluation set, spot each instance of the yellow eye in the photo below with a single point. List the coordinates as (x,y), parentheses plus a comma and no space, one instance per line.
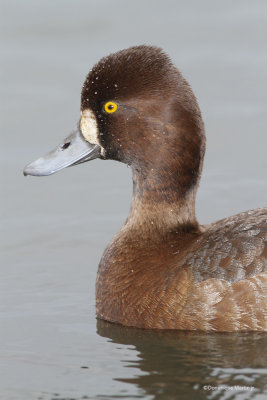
(110,107)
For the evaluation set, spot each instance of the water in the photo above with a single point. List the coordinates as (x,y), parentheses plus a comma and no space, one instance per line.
(55,229)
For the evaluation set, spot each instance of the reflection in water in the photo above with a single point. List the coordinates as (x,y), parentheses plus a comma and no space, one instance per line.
(179,364)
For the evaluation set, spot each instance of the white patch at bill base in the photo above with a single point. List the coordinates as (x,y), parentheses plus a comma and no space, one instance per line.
(89,128)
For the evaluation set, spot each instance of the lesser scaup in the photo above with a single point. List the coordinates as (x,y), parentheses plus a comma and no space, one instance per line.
(163,269)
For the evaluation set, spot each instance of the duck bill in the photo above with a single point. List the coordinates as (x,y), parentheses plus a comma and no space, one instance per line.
(72,151)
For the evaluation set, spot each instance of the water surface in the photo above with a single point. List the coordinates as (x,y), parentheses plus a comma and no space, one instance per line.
(54,229)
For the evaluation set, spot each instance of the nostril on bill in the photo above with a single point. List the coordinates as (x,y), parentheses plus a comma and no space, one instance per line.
(65,146)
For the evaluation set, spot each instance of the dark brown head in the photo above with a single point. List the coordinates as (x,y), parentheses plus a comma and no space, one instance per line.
(138,109)
(146,114)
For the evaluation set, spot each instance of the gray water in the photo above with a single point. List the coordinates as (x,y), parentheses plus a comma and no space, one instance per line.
(54,229)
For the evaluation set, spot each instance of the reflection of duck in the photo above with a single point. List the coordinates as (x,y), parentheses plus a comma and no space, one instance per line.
(163,270)
(177,365)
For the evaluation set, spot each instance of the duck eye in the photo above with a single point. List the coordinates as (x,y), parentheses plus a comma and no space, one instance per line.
(110,107)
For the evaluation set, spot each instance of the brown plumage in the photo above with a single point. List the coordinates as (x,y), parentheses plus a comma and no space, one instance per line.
(212,279)
(163,270)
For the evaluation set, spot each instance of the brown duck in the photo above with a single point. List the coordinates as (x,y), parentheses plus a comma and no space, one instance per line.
(163,270)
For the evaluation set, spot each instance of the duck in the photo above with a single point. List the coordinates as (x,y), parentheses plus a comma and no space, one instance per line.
(163,270)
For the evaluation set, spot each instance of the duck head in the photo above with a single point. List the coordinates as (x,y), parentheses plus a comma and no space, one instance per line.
(138,109)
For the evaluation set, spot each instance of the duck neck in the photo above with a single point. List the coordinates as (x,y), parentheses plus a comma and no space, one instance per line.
(166,173)
(159,206)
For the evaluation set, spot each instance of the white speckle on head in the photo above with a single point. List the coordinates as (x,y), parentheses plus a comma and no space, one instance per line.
(89,128)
